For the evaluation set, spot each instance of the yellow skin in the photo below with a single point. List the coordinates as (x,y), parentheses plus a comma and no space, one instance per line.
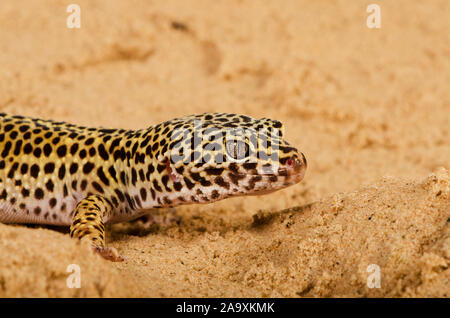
(63,174)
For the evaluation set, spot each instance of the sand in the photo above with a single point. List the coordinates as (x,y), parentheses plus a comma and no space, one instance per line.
(370,109)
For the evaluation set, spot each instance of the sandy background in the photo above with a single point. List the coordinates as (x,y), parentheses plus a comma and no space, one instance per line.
(370,108)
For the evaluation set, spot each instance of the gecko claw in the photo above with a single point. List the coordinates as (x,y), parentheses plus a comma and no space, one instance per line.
(108,253)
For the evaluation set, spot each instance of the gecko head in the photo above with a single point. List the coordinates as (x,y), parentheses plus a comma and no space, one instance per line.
(214,156)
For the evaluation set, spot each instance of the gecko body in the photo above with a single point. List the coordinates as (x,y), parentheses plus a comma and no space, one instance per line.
(64,174)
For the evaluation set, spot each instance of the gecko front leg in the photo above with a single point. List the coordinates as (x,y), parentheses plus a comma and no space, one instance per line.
(87,224)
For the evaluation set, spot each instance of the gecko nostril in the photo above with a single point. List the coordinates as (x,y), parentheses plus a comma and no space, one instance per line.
(294,163)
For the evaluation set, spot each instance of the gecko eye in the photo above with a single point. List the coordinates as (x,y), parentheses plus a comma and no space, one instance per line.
(237,149)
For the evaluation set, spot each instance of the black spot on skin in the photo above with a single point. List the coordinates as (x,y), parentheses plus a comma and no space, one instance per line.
(37,210)
(47,150)
(6,149)
(102,176)
(102,152)
(180,170)
(188,183)
(74,185)
(89,141)
(37,152)
(49,168)
(13,170)
(114,144)
(112,172)
(34,171)
(156,186)
(23,168)
(25,192)
(252,182)
(161,168)
(73,168)
(221,182)
(177,186)
(137,200)
(8,127)
(117,155)
(97,187)
(273,178)
(24,128)
(18,147)
(87,168)
(13,134)
(287,149)
(3,195)
(49,185)
(133,176)
(141,175)
(143,193)
(38,140)
(165,182)
(233,167)
(235,177)
(205,182)
(249,165)
(196,176)
(214,171)
(129,200)
(119,195)
(52,202)
(83,185)
(74,149)
(61,151)
(62,172)
(65,190)
(115,202)
(153,193)
(2,165)
(38,194)
(27,149)
(82,154)
(92,152)
(123,178)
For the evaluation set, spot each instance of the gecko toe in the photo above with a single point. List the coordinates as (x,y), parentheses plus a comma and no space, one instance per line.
(109,253)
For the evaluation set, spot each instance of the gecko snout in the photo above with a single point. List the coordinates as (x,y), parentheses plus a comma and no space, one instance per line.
(296,166)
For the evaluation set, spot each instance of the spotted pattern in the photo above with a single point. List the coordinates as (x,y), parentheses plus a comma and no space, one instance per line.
(51,171)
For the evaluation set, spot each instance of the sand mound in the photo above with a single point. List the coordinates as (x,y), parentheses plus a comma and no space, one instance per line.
(37,263)
(322,249)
